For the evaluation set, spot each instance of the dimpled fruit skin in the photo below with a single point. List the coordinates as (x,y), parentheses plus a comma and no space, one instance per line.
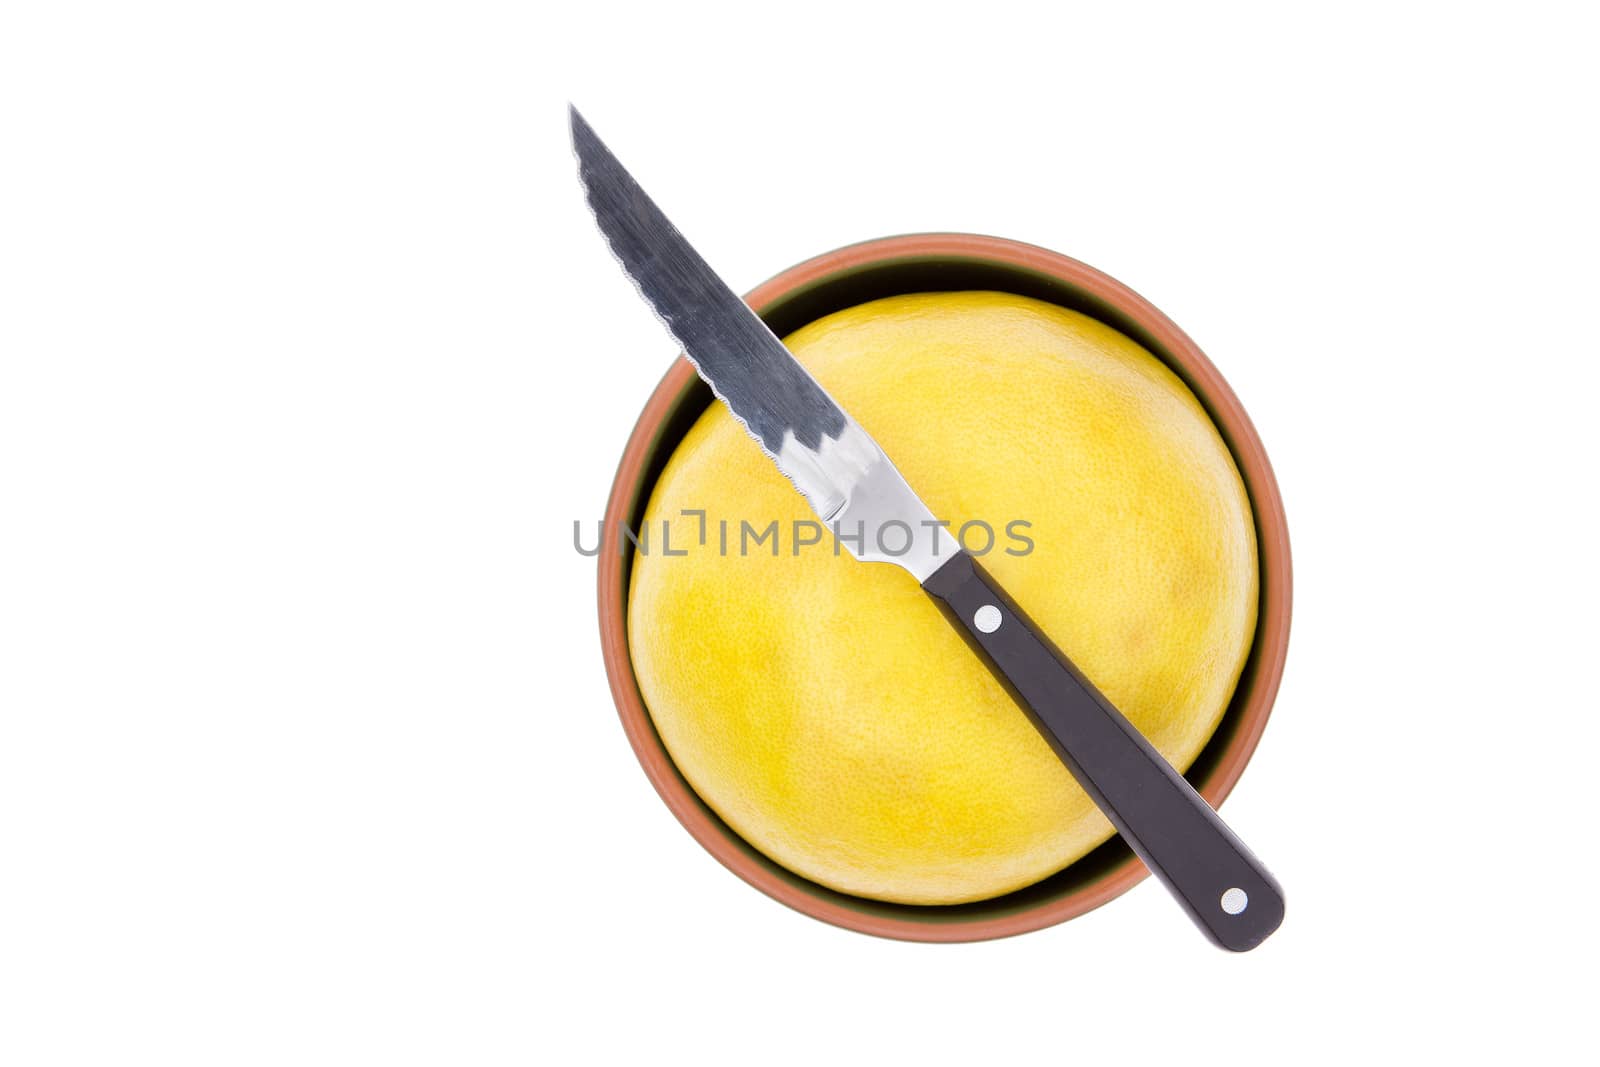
(828,712)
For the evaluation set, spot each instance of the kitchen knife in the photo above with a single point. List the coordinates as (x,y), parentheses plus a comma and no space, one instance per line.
(854,488)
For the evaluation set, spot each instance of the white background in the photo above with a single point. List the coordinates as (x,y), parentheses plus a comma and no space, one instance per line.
(311,356)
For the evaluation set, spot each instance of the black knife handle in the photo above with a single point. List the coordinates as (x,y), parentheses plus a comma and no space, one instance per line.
(1180,838)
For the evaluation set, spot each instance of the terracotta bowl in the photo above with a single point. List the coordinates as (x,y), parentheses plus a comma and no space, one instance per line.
(923,263)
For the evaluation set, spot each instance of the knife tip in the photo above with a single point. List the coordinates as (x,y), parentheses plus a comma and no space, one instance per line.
(580,127)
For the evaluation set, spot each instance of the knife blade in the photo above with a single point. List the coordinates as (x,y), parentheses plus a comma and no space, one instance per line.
(836,466)
(854,487)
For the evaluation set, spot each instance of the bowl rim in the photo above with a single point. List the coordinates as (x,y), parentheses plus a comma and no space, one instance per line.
(1254,695)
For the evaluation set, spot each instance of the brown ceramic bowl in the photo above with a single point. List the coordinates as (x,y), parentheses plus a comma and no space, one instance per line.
(923,263)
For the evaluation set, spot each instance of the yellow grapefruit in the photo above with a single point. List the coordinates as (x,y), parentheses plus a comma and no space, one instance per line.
(827,711)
